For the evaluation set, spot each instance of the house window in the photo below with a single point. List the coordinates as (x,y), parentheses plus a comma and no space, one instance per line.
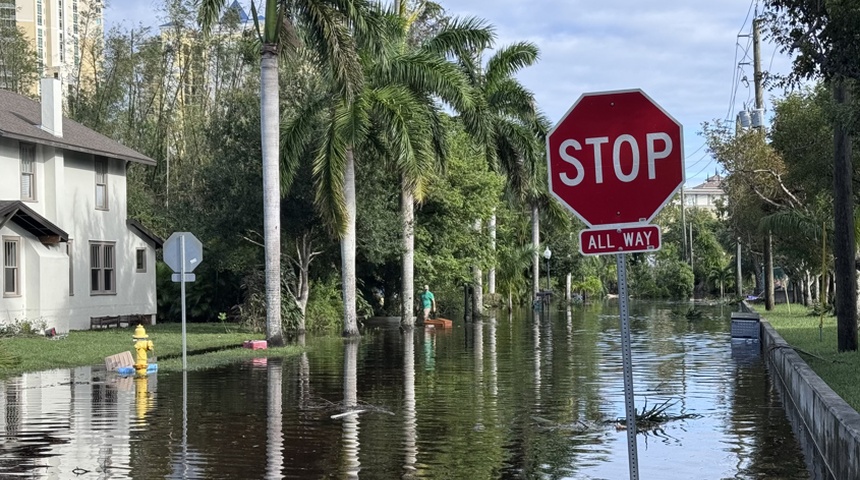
(11,267)
(140,260)
(102,268)
(101,184)
(28,171)
(69,252)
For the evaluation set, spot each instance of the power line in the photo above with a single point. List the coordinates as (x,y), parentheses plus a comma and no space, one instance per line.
(704,156)
(703,169)
(694,151)
(736,64)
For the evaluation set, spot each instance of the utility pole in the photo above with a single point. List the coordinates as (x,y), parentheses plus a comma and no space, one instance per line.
(739,278)
(684,223)
(759,105)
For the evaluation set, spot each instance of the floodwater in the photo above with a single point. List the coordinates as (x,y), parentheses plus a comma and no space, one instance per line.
(510,397)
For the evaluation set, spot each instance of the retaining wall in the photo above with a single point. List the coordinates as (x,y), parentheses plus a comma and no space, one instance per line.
(828,428)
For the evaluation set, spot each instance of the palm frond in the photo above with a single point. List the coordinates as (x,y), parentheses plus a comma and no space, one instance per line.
(328,171)
(368,22)
(326,29)
(791,223)
(509,97)
(298,136)
(429,73)
(208,13)
(461,38)
(509,60)
(408,131)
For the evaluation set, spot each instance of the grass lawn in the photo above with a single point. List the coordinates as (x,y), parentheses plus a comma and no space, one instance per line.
(89,347)
(800,330)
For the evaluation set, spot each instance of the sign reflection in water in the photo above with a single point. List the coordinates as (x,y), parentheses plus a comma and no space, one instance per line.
(512,396)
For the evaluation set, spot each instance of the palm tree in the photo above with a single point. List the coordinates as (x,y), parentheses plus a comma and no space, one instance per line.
(505,123)
(513,261)
(326,25)
(393,114)
(721,274)
(456,39)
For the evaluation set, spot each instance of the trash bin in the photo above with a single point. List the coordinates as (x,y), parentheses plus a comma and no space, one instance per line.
(746,325)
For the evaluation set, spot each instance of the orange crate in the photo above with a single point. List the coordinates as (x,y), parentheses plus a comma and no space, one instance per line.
(439,322)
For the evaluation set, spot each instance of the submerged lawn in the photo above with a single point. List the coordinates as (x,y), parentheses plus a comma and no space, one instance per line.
(800,330)
(90,347)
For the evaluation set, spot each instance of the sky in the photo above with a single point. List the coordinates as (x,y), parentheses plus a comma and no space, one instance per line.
(693,57)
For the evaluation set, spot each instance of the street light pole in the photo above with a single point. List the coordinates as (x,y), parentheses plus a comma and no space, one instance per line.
(547,254)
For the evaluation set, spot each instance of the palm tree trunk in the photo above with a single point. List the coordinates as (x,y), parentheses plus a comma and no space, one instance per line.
(844,248)
(477,292)
(407,288)
(491,275)
(567,288)
(347,250)
(536,247)
(477,285)
(768,272)
(271,192)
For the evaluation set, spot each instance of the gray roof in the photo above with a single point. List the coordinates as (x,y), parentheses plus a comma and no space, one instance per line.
(144,233)
(29,220)
(20,118)
(712,185)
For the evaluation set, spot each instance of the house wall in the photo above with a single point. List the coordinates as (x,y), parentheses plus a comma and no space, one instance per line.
(135,292)
(10,180)
(65,192)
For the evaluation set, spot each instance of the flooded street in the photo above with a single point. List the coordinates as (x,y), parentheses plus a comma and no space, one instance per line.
(508,397)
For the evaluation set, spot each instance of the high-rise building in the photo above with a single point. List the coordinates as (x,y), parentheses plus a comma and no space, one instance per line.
(61,32)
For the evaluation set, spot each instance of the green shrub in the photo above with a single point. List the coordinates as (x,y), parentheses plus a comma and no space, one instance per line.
(325,307)
(675,279)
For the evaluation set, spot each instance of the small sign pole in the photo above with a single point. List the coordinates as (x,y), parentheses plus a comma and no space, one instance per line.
(629,407)
(182,290)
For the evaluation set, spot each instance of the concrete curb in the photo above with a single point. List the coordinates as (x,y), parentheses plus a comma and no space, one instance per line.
(828,428)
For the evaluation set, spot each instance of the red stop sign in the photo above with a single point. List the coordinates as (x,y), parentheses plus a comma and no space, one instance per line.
(615,158)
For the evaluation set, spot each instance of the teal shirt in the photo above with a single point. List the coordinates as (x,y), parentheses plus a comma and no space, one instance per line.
(427,299)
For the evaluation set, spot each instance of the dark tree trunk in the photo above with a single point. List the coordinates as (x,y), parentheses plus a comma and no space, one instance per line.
(768,272)
(843,239)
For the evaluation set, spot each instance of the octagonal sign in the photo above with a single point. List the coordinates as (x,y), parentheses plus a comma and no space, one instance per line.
(615,158)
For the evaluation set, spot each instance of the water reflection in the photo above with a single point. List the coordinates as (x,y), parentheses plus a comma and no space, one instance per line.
(274,418)
(350,402)
(522,396)
(410,435)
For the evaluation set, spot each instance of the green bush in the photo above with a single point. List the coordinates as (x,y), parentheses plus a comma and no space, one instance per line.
(252,312)
(325,307)
(675,279)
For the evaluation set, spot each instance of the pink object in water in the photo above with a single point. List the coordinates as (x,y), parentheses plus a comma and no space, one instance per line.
(255,344)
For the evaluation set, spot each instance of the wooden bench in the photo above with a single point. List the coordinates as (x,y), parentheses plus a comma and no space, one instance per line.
(104,322)
(120,321)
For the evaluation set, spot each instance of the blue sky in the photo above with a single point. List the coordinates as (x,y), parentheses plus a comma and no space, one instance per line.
(686,55)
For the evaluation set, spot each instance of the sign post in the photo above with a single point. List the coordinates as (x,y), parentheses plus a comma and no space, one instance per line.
(615,159)
(182,253)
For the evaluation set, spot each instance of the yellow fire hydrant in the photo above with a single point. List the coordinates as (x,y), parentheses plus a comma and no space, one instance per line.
(142,344)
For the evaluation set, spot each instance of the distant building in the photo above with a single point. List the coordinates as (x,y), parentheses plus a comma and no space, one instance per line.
(61,33)
(706,195)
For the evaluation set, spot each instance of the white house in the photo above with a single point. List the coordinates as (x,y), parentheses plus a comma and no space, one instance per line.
(70,256)
(706,195)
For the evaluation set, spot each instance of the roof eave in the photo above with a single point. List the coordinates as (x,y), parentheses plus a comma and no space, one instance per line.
(41,141)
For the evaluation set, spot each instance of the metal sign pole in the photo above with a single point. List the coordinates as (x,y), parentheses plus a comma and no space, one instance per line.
(182,293)
(629,407)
